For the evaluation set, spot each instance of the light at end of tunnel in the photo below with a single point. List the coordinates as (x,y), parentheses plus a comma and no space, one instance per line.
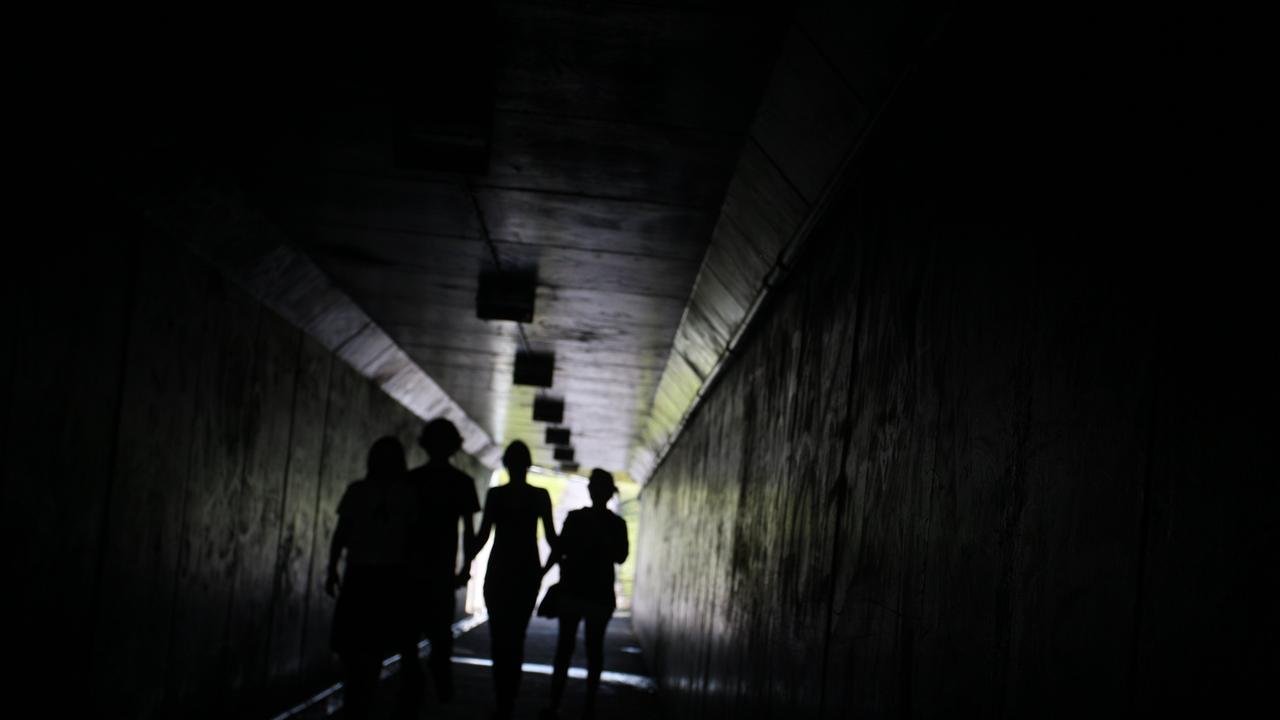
(638,682)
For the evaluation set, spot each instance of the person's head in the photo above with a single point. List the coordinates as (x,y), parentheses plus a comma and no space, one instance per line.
(601,487)
(386,459)
(440,439)
(517,460)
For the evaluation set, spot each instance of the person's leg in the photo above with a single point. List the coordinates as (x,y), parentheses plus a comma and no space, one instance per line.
(413,682)
(500,648)
(408,619)
(516,651)
(564,655)
(361,671)
(358,635)
(440,633)
(596,624)
(441,660)
(519,631)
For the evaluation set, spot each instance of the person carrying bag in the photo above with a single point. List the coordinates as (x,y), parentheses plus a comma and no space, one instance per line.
(591,541)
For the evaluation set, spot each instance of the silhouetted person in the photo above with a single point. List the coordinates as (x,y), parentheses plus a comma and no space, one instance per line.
(515,568)
(446,495)
(592,540)
(375,520)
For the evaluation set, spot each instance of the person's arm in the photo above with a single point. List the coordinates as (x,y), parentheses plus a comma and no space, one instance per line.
(548,525)
(482,536)
(552,559)
(468,539)
(469,531)
(332,581)
(468,506)
(557,547)
(623,546)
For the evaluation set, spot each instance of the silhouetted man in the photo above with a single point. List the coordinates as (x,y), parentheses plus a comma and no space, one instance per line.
(446,495)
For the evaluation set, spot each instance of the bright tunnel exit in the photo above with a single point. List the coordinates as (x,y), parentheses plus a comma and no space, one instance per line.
(568,492)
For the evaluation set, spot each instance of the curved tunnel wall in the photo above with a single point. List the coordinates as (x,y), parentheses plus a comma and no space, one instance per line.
(178,452)
(986,454)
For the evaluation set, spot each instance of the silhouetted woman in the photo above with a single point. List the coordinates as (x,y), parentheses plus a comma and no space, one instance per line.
(375,518)
(515,569)
(591,541)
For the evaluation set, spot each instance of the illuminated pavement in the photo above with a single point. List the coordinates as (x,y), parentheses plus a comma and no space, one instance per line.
(625,692)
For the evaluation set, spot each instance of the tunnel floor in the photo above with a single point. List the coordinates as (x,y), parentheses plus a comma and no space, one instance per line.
(626,690)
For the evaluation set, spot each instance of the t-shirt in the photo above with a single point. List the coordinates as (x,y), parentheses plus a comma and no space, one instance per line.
(444,495)
(591,541)
(378,517)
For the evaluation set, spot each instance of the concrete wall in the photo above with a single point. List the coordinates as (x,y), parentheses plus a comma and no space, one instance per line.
(992,450)
(836,66)
(173,457)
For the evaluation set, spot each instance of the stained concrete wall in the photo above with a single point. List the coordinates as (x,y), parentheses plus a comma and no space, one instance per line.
(173,458)
(837,65)
(993,450)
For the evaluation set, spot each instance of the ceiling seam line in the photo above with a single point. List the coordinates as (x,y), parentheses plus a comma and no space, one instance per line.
(592,196)
(493,250)
(496,241)
(726,132)
(408,178)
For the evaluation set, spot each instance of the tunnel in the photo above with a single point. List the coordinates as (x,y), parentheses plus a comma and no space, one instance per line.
(926,342)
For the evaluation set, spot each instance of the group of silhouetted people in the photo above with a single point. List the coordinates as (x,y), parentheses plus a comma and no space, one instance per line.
(399,529)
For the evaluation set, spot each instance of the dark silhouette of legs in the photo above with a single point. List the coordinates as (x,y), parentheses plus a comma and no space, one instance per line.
(361,671)
(441,659)
(508,622)
(596,623)
(370,623)
(507,628)
(438,603)
(412,680)
(564,655)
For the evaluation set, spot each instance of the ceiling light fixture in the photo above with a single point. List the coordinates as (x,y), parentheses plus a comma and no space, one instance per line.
(547,409)
(537,369)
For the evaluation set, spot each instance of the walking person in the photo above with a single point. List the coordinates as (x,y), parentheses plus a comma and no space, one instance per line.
(375,520)
(591,541)
(514,574)
(446,500)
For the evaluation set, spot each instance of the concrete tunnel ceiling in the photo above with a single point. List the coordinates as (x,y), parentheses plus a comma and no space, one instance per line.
(607,136)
